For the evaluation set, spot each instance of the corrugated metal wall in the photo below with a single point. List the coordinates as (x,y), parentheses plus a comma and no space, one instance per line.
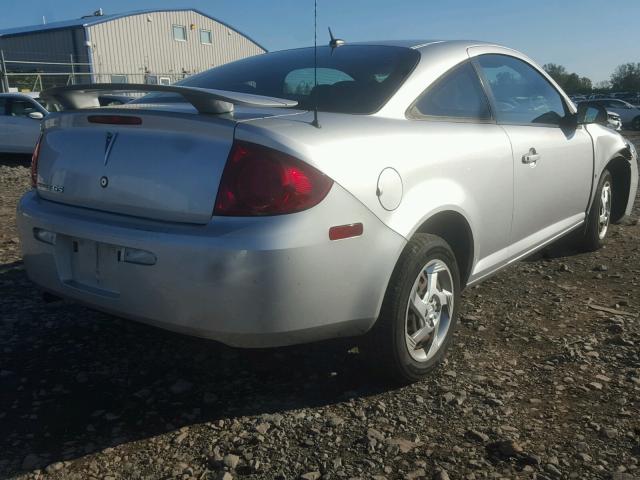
(138,42)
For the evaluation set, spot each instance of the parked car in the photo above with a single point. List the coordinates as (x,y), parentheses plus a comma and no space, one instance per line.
(629,114)
(252,206)
(20,117)
(633,99)
(614,121)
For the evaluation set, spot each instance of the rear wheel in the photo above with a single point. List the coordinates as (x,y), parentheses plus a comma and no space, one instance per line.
(418,315)
(599,217)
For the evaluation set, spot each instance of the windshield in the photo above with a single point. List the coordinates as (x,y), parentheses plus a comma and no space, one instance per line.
(350,78)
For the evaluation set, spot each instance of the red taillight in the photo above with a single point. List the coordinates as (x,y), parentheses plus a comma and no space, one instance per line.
(34,163)
(261,181)
(115,120)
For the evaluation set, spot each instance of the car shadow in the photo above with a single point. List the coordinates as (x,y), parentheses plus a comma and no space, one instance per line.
(14,159)
(74,381)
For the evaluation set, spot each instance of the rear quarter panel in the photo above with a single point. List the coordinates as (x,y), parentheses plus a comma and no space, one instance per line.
(460,167)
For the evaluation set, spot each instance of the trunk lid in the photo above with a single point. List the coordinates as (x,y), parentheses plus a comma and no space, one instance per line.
(166,168)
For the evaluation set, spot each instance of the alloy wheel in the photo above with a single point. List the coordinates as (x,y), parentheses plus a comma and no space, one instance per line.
(429,310)
(604,216)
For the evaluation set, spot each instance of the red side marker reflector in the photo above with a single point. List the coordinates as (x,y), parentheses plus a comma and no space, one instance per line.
(345,231)
(115,119)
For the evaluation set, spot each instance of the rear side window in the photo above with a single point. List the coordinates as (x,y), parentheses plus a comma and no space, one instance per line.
(350,79)
(458,94)
(522,94)
(21,108)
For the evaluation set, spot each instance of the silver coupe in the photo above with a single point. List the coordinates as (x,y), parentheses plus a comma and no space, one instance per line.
(292,197)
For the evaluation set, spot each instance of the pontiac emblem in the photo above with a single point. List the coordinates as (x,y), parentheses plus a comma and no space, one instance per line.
(110,141)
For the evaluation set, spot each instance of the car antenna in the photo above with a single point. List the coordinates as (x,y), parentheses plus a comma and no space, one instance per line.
(315,122)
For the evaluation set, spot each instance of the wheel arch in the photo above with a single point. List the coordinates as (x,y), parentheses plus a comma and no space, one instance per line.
(620,170)
(613,152)
(454,228)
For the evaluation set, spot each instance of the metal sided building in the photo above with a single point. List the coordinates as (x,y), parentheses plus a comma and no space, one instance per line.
(149,46)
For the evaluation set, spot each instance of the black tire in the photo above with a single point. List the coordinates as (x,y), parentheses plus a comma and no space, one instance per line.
(385,347)
(635,123)
(592,238)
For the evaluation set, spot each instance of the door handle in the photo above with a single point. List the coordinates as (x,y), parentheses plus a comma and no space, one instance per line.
(531,158)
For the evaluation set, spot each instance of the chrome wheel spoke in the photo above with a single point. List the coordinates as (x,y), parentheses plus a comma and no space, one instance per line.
(419,306)
(446,298)
(410,342)
(432,283)
(421,335)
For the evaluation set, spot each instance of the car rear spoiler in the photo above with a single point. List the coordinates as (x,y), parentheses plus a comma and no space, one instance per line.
(205,100)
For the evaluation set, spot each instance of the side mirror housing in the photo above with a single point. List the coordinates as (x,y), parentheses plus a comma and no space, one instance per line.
(591,113)
(36,115)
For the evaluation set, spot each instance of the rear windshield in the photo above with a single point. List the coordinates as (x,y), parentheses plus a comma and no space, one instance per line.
(350,78)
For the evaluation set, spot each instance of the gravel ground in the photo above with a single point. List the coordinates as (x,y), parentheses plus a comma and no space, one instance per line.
(543,382)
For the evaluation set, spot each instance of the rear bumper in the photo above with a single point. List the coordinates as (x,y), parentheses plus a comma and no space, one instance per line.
(253,282)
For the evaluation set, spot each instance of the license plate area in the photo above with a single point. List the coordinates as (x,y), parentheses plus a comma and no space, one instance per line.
(89,265)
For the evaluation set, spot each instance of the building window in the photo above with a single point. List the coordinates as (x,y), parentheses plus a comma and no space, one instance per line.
(119,79)
(206,38)
(165,81)
(180,33)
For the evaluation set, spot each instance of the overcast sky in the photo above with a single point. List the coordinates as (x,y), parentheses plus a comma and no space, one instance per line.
(590,37)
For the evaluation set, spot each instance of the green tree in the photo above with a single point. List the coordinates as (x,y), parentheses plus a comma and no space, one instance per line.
(626,77)
(557,72)
(602,86)
(570,82)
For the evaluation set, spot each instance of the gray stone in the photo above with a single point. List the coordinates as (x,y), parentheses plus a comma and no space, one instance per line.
(310,476)
(476,435)
(231,461)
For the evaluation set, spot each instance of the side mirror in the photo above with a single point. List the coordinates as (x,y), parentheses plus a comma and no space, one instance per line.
(36,115)
(591,113)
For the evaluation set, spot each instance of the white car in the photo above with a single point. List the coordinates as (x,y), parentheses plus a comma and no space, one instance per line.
(629,114)
(20,117)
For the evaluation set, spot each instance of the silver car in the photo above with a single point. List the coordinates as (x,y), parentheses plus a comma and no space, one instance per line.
(614,121)
(267,202)
(20,117)
(629,114)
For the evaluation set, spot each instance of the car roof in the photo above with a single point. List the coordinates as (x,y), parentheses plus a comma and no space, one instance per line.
(16,95)
(423,44)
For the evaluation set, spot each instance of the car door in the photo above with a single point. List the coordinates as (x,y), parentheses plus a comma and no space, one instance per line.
(552,161)
(464,148)
(24,129)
